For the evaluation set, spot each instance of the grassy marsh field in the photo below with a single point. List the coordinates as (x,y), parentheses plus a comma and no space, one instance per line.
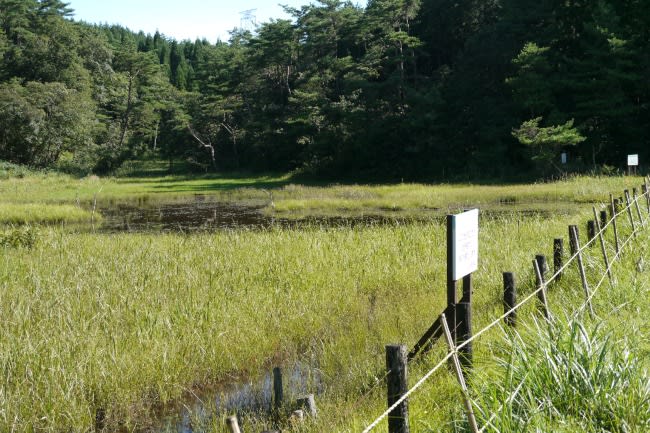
(130,323)
(281,196)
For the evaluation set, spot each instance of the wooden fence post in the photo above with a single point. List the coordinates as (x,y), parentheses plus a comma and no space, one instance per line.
(509,298)
(396,380)
(277,388)
(614,224)
(581,268)
(461,378)
(591,230)
(638,208)
(573,245)
(308,405)
(602,246)
(452,297)
(464,317)
(644,191)
(629,211)
(558,257)
(603,219)
(541,286)
(233,424)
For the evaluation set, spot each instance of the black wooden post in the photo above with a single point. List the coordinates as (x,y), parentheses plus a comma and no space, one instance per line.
(612,203)
(451,283)
(644,191)
(638,208)
(628,203)
(603,219)
(591,230)
(277,388)
(464,317)
(467,289)
(543,264)
(396,380)
(541,287)
(572,243)
(558,256)
(509,298)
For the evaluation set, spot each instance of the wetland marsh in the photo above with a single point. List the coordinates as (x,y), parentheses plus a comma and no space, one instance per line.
(142,323)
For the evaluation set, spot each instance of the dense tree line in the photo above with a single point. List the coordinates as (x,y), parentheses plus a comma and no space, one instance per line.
(399,89)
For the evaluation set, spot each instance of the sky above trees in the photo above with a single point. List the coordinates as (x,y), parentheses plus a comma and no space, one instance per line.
(191,19)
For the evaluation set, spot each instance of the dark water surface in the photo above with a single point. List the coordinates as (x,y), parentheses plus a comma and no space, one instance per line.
(241,396)
(206,213)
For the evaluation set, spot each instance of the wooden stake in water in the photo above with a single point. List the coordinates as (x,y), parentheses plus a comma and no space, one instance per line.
(233,424)
(277,388)
(308,405)
(614,215)
(459,375)
(602,246)
(581,268)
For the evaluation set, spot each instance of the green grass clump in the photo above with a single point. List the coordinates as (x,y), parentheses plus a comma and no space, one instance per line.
(16,237)
(572,377)
(32,213)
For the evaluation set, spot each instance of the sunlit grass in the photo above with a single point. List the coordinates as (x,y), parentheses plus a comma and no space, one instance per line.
(127,322)
(33,213)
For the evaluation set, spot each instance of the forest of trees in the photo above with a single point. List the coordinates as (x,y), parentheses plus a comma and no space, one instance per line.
(410,89)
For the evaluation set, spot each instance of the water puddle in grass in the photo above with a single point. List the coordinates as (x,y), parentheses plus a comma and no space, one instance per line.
(206,213)
(252,397)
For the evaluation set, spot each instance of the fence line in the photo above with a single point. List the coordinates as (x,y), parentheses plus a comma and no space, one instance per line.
(543,285)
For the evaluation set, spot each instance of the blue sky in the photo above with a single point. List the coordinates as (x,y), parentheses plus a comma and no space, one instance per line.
(185,19)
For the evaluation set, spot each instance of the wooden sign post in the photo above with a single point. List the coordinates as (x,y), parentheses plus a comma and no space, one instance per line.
(462,260)
(632,164)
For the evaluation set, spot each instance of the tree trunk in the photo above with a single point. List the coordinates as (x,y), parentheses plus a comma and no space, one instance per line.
(127,112)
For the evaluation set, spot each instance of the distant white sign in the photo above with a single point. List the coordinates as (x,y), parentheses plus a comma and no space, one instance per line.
(563,158)
(632,160)
(464,235)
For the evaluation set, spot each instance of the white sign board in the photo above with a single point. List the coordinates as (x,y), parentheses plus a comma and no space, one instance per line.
(563,158)
(632,160)
(464,243)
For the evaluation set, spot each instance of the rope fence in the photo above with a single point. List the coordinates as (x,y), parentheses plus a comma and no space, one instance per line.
(626,208)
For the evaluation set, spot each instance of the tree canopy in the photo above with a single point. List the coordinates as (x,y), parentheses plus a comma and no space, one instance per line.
(400,89)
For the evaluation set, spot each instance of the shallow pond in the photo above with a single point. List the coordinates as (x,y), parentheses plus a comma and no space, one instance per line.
(252,396)
(207,213)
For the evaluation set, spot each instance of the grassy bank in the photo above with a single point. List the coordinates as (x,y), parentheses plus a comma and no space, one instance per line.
(129,322)
(280,197)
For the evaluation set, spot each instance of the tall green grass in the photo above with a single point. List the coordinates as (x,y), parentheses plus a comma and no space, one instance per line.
(129,322)
(569,376)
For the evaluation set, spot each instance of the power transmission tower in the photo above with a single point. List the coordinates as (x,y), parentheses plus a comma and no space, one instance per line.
(248,20)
